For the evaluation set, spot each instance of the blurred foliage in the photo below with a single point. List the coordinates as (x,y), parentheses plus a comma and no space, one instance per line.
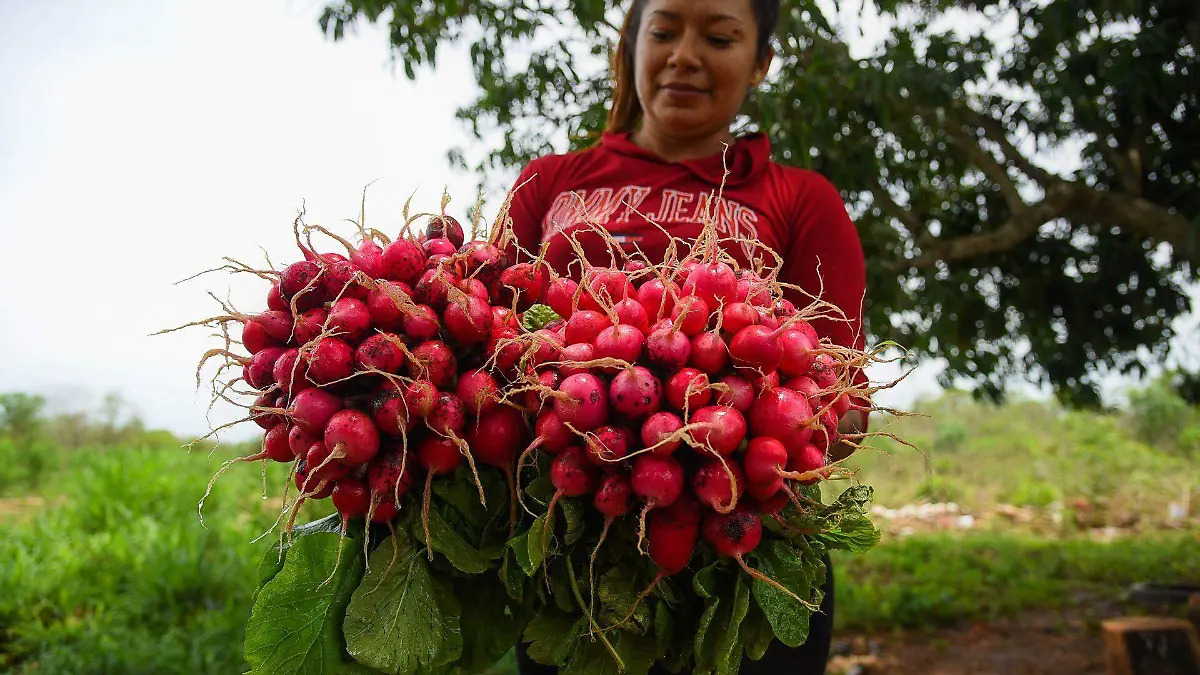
(1028,197)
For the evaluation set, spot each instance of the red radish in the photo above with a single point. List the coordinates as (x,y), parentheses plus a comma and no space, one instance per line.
(784,415)
(548,348)
(288,374)
(609,444)
(578,353)
(351,499)
(572,476)
(313,486)
(739,394)
(343,280)
(503,318)
(805,386)
(402,260)
(841,405)
(300,440)
(474,287)
(438,248)
(723,429)
(259,372)
(756,348)
(763,383)
(528,280)
(784,309)
(712,486)
(671,535)
(275,299)
(438,455)
(369,259)
(331,360)
(468,319)
(736,316)
(380,352)
(635,392)
(420,396)
(390,412)
(585,325)
(496,437)
(552,435)
(549,381)
(753,291)
(668,349)
(352,436)
(433,286)
(765,459)
(773,504)
(255,337)
(388,475)
(808,458)
(322,465)
(313,408)
(688,389)
(277,325)
(560,296)
(483,261)
(658,480)
(584,405)
(632,266)
(435,361)
(685,270)
(709,353)
(827,430)
(656,298)
(275,444)
(767,319)
(712,282)
(622,341)
(420,323)
(695,313)
(613,496)
(448,417)
(447,227)
(824,372)
(797,353)
(310,324)
(506,347)
(266,420)
(298,277)
(658,428)
(385,511)
(605,288)
(331,258)
(478,391)
(631,313)
(736,534)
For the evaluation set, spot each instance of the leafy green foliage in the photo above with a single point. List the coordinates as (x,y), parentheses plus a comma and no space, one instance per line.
(296,623)
(1029,202)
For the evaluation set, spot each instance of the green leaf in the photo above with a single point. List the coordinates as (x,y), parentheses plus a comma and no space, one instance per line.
(617,591)
(520,548)
(572,510)
(757,633)
(537,316)
(729,647)
(854,533)
(551,635)
(488,629)
(706,638)
(512,575)
(535,542)
(268,566)
(357,669)
(448,542)
(402,619)
(295,624)
(781,562)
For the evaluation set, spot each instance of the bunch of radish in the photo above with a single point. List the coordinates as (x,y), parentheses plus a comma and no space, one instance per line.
(689,398)
(367,368)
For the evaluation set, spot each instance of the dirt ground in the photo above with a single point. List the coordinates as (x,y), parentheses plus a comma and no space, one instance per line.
(1043,643)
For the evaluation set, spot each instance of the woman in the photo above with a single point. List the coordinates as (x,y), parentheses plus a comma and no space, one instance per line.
(682,70)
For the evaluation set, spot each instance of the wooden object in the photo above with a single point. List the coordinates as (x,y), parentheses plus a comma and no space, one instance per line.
(1151,645)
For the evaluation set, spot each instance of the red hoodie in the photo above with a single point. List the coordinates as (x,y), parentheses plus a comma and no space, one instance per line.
(795,212)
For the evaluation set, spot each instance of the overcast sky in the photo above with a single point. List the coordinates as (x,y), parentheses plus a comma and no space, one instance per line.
(142,140)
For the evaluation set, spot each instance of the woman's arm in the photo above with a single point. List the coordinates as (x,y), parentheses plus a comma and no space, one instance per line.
(825,259)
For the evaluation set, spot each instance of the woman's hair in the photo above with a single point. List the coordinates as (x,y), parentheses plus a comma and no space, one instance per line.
(626,110)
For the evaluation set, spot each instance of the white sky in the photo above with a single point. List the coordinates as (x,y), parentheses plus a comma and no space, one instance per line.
(142,141)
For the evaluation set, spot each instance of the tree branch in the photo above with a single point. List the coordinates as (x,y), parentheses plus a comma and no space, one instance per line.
(1021,226)
(995,132)
(906,217)
(985,161)
(1145,218)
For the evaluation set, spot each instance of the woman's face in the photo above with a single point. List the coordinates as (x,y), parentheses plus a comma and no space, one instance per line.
(695,62)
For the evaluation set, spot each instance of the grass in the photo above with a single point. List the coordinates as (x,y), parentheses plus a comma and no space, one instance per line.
(107,568)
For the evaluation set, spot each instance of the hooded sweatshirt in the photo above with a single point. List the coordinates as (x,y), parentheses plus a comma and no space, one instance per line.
(640,198)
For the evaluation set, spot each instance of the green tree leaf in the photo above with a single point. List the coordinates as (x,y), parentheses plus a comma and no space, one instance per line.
(295,624)
(401,619)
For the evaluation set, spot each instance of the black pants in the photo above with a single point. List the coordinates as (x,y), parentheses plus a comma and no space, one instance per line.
(807,659)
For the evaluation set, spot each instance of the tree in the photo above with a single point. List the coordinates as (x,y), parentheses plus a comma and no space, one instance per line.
(1029,199)
(21,415)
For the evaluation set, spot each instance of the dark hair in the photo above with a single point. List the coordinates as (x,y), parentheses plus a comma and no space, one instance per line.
(626,110)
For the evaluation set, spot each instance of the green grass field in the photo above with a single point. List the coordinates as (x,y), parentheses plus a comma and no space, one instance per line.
(108,569)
